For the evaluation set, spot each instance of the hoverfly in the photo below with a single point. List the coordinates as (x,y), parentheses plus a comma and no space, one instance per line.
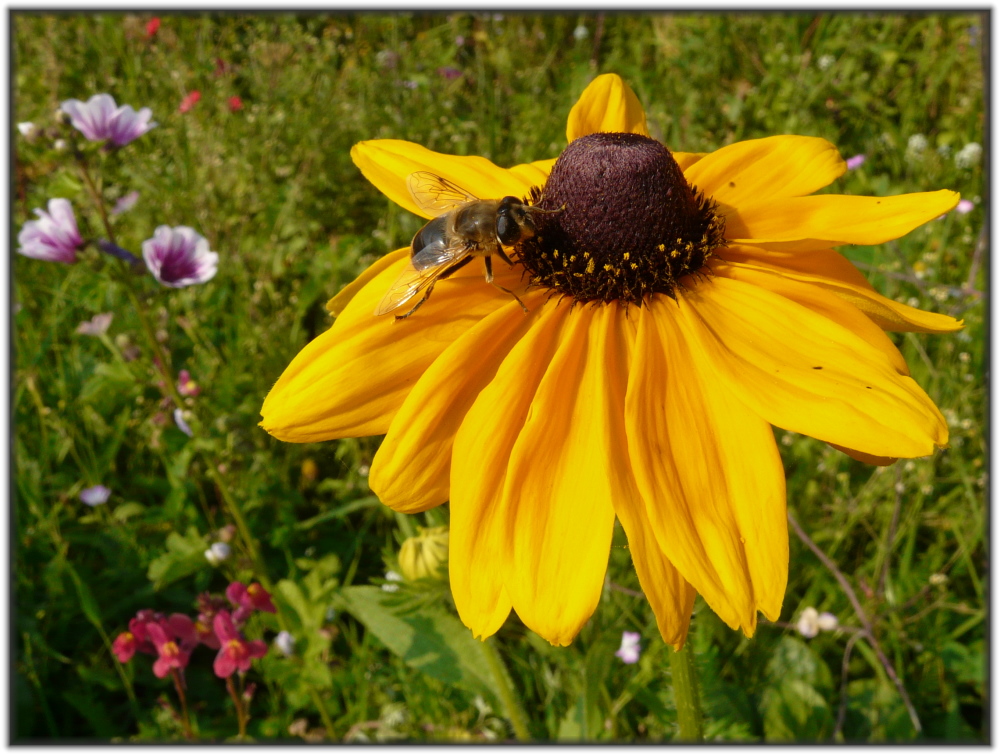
(465,227)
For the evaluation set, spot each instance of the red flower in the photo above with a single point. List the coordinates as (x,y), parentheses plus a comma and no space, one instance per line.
(124,646)
(152,26)
(189,101)
(250,598)
(235,103)
(235,653)
(171,654)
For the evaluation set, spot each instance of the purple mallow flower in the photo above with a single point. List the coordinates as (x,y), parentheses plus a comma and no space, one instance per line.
(53,237)
(95,496)
(100,119)
(179,257)
(630,649)
(855,162)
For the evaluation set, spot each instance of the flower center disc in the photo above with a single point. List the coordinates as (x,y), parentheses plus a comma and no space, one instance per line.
(631,227)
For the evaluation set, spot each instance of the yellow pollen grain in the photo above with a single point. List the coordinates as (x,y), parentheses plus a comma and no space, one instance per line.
(590,265)
(607,268)
(662,247)
(633,266)
(674,253)
(625,256)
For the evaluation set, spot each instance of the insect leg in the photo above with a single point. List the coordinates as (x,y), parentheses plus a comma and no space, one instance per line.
(488,262)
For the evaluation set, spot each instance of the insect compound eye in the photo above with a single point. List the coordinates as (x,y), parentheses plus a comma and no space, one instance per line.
(508,230)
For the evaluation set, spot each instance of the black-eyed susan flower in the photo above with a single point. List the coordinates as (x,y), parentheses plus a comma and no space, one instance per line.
(678,306)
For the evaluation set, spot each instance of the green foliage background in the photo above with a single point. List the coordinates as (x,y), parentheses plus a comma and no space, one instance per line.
(273,188)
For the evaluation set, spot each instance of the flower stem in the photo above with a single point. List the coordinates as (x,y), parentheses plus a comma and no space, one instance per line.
(240,718)
(185,720)
(505,688)
(686,694)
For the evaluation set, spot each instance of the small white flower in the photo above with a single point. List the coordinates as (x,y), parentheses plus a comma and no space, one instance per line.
(916,145)
(95,496)
(630,648)
(218,553)
(96,325)
(183,426)
(825,61)
(285,643)
(392,576)
(969,155)
(937,579)
(59,145)
(964,357)
(827,622)
(29,131)
(580,33)
(808,623)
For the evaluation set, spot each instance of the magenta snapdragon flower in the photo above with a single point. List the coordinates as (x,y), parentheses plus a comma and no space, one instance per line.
(54,236)
(171,655)
(100,119)
(235,653)
(179,257)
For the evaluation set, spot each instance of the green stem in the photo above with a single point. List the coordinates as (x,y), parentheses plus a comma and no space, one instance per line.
(686,694)
(505,688)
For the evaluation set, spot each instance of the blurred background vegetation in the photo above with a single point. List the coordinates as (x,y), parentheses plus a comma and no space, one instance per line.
(272,186)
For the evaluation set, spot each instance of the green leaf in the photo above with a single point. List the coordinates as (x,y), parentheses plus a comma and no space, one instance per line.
(795,711)
(185,555)
(427,639)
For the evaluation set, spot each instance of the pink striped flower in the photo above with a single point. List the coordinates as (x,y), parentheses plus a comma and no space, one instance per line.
(54,236)
(100,119)
(179,257)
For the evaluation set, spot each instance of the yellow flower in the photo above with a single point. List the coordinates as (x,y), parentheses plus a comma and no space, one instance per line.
(712,313)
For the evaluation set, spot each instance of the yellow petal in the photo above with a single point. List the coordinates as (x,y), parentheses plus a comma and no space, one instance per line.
(686,159)
(709,472)
(878,461)
(821,302)
(827,220)
(756,170)
(834,272)
(411,471)
(562,479)
(388,162)
(669,594)
(479,547)
(351,380)
(336,305)
(804,372)
(536,173)
(608,104)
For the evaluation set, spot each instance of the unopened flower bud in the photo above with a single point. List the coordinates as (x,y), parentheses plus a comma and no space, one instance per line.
(425,555)
(808,623)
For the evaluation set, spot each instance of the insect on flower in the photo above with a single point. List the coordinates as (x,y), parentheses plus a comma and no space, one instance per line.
(465,227)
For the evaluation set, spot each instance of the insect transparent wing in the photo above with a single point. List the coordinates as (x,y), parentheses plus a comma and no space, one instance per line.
(422,270)
(435,195)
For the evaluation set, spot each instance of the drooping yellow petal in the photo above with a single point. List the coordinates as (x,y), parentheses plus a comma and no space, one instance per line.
(336,305)
(411,471)
(388,162)
(709,472)
(834,272)
(878,461)
(480,547)
(825,220)
(608,104)
(804,372)
(759,170)
(562,479)
(821,302)
(351,380)
(669,594)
